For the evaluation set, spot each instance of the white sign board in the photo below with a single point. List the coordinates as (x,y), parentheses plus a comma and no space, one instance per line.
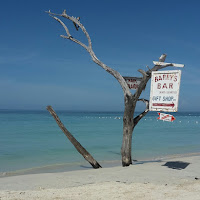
(165,90)
(132,82)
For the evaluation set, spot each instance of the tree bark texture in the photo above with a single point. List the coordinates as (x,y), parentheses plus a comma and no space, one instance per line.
(130,100)
(73,140)
(128,125)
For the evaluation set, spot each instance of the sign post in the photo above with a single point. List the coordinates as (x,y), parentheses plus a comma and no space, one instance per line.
(165,87)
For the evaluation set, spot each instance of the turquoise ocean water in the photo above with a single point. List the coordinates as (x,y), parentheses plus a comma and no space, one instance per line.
(32,142)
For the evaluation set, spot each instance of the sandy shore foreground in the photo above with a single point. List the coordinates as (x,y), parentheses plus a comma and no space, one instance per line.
(142,181)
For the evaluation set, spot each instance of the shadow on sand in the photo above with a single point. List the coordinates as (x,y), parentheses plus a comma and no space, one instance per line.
(136,162)
(176,165)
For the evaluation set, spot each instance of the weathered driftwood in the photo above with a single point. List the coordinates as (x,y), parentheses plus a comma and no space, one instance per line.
(130,100)
(73,140)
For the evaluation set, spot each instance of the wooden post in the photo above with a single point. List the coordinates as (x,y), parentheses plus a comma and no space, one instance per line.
(73,140)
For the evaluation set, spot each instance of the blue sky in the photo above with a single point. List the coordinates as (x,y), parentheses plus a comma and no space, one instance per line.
(39,68)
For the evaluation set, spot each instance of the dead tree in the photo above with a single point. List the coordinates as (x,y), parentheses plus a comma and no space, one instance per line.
(73,140)
(130,100)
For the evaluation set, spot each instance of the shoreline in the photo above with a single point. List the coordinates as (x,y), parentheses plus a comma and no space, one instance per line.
(142,181)
(79,166)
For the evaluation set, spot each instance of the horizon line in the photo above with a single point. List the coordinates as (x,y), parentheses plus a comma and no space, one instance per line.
(66,110)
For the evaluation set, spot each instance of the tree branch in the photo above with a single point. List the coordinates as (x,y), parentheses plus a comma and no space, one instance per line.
(68,33)
(140,116)
(73,140)
(147,76)
(143,73)
(75,40)
(76,21)
(142,85)
(162,57)
(64,26)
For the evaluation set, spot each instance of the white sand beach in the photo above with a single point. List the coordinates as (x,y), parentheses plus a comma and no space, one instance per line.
(141,181)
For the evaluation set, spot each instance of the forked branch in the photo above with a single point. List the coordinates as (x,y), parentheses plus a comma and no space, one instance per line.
(140,116)
(145,79)
(88,47)
(147,75)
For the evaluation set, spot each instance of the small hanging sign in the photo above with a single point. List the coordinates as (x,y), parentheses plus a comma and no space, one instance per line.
(132,82)
(166,117)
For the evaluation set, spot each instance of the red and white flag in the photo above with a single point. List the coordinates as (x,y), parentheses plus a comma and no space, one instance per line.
(166,117)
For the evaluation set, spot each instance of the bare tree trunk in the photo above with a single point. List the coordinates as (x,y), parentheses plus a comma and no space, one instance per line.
(127,143)
(128,125)
(73,140)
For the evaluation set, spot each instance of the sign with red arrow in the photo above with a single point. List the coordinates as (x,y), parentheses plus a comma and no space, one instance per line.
(165,87)
(164,104)
(166,117)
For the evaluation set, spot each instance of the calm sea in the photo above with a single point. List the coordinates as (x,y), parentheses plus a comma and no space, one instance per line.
(31,141)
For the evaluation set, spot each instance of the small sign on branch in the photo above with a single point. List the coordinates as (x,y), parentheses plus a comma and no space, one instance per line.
(132,82)
(165,87)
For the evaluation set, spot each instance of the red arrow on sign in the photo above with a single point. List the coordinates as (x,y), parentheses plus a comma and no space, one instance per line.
(164,104)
